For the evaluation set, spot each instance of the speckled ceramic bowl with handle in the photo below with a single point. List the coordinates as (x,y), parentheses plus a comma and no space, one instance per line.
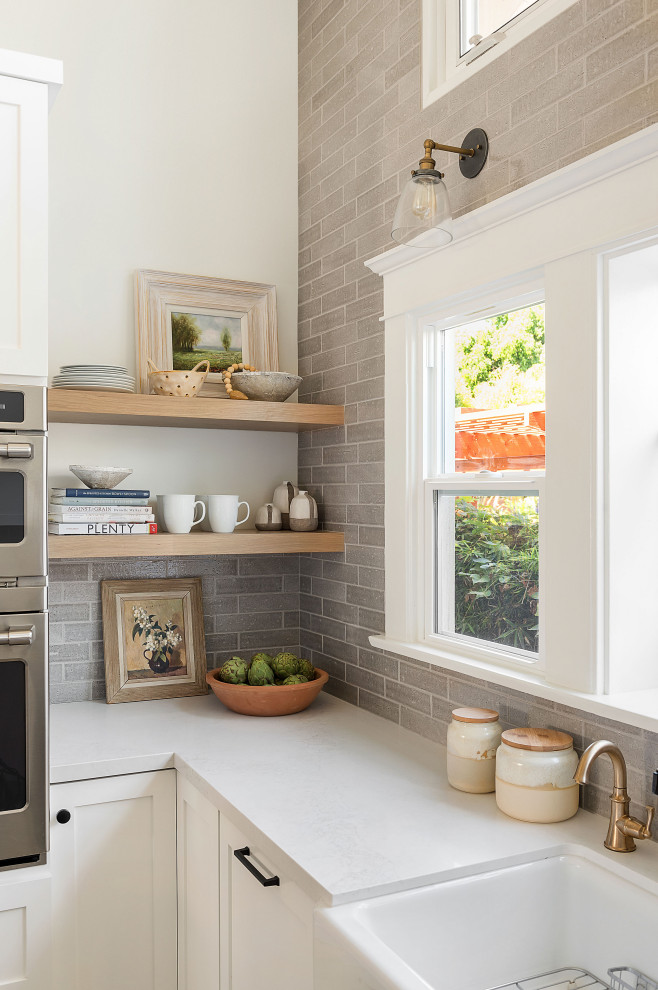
(273,699)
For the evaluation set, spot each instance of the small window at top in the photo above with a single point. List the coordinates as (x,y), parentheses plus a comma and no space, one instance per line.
(483,17)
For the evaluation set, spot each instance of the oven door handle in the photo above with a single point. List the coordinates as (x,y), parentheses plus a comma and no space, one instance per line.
(23,450)
(17,637)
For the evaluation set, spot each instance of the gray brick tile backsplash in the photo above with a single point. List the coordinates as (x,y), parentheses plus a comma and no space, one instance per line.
(583,80)
(249,603)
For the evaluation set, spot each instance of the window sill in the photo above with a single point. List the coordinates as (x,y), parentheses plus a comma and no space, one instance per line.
(638,708)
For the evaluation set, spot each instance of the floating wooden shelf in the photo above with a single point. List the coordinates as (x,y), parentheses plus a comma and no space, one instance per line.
(193,544)
(133,409)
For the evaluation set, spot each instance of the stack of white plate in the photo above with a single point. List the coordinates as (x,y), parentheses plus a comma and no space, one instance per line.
(89,377)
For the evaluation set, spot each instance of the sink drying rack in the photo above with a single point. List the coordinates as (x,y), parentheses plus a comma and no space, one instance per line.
(621,978)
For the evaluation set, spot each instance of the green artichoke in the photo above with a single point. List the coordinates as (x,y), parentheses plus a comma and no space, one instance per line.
(296,679)
(284,665)
(234,671)
(260,673)
(306,668)
(262,656)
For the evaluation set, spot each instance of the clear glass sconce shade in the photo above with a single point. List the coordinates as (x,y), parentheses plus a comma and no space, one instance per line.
(423,217)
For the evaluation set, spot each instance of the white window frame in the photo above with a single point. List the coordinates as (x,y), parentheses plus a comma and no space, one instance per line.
(558,233)
(443,66)
(437,379)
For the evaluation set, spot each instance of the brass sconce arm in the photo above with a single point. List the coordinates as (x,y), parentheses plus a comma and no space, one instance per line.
(427,162)
(472,155)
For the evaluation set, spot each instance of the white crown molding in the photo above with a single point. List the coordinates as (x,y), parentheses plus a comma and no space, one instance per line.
(33,68)
(617,157)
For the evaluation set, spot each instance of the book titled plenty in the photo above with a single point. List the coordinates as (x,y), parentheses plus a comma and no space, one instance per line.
(99,493)
(101,529)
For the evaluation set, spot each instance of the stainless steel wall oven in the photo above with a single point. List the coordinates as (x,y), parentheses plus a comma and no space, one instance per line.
(23,626)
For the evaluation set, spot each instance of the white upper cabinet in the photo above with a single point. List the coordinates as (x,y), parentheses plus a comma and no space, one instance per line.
(25,82)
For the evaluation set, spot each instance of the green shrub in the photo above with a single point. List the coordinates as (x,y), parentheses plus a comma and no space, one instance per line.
(497,569)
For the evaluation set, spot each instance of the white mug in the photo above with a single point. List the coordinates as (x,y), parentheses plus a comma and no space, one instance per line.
(177,512)
(223,513)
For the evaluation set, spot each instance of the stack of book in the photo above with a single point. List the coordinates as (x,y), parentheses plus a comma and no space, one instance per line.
(99,512)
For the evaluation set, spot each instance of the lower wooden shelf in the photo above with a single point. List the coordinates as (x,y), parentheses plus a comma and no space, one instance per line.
(193,544)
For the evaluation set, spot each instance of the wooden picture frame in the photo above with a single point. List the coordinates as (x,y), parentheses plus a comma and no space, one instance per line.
(162,617)
(244,310)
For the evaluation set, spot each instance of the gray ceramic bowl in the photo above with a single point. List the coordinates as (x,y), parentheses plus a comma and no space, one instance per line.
(100,477)
(266,386)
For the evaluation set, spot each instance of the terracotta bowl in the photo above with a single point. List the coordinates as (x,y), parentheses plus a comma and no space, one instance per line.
(284,699)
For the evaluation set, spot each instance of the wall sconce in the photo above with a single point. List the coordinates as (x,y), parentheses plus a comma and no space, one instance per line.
(423,215)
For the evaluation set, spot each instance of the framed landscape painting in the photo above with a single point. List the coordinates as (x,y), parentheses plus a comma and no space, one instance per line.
(185,319)
(153,638)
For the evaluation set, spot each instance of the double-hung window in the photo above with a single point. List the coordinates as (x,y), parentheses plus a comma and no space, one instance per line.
(484,460)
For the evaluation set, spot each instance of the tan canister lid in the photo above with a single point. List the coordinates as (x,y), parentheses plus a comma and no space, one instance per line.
(538,740)
(475,715)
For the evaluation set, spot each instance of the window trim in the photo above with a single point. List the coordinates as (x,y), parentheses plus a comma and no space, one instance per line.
(441,70)
(560,226)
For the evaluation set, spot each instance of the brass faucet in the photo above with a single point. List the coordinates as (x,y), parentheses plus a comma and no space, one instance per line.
(622,829)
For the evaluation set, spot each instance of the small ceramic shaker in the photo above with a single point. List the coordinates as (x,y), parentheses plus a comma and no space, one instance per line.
(268,518)
(303,513)
(283,496)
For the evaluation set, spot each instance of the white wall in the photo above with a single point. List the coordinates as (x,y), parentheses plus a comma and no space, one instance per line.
(156,142)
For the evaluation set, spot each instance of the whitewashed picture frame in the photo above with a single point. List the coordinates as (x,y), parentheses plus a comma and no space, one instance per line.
(159,294)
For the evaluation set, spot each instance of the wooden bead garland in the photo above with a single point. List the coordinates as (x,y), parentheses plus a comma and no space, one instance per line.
(233,393)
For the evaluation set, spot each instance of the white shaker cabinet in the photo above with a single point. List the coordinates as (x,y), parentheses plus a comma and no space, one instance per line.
(198,890)
(25,935)
(113,867)
(24,95)
(266,931)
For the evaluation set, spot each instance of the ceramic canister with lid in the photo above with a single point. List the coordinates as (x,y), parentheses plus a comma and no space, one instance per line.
(534,775)
(473,738)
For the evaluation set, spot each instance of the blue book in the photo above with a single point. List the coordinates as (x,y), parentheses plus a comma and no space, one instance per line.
(99,493)
(116,502)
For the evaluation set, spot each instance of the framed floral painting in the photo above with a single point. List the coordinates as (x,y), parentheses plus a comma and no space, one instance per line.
(153,638)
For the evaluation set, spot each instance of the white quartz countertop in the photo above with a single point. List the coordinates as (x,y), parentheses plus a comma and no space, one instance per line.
(349,804)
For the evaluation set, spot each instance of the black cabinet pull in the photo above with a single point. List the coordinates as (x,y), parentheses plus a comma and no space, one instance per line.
(63,816)
(241,855)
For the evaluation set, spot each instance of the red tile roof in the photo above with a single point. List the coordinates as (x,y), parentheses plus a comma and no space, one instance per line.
(500,439)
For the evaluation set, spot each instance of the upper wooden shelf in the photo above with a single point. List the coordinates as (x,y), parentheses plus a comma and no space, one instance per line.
(133,409)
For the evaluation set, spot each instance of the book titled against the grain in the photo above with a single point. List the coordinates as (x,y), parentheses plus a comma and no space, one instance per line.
(118,515)
(87,512)
(101,529)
